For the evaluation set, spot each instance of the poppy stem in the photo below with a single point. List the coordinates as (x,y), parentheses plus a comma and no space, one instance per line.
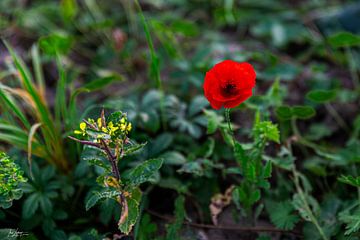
(227,117)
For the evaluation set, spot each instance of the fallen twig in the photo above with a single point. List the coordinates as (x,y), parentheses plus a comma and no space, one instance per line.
(228,228)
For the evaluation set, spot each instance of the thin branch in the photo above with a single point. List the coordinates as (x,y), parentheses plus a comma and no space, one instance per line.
(92,126)
(85,142)
(228,228)
(112,159)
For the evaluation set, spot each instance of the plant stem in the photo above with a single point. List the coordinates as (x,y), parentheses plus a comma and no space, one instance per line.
(340,121)
(306,204)
(227,117)
(352,67)
(302,140)
(112,160)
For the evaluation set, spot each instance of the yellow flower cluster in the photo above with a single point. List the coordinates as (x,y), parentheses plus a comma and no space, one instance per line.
(82,130)
(109,129)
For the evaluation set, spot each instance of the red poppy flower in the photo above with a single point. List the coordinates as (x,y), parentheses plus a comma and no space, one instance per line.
(229,83)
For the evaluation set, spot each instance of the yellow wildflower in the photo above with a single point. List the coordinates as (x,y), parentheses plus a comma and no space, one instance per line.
(82,129)
(99,122)
(82,126)
(129,127)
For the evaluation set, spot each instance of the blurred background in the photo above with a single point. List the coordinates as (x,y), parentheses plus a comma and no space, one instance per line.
(62,61)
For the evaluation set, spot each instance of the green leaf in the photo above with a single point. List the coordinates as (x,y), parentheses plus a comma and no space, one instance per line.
(352,221)
(46,206)
(267,169)
(250,172)
(92,201)
(173,229)
(173,158)
(185,27)
(299,204)
(303,112)
(353,181)
(142,172)
(267,130)
(254,196)
(321,96)
(30,206)
(214,121)
(283,112)
(102,82)
(282,215)
(55,44)
(147,229)
(197,105)
(68,9)
(97,196)
(344,39)
(134,148)
(133,202)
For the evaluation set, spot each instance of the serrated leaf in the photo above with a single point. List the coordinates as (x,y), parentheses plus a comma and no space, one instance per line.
(134,148)
(143,172)
(321,96)
(97,196)
(353,181)
(240,154)
(267,130)
(299,204)
(352,221)
(250,172)
(267,169)
(254,196)
(281,214)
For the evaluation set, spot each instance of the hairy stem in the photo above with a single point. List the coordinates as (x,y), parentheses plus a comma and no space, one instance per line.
(306,204)
(227,117)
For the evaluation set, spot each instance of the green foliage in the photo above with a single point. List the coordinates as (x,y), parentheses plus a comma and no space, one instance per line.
(300,112)
(10,178)
(282,214)
(353,181)
(133,201)
(321,96)
(344,39)
(173,229)
(88,46)
(69,9)
(352,221)
(55,44)
(147,229)
(143,172)
(267,131)
(108,142)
